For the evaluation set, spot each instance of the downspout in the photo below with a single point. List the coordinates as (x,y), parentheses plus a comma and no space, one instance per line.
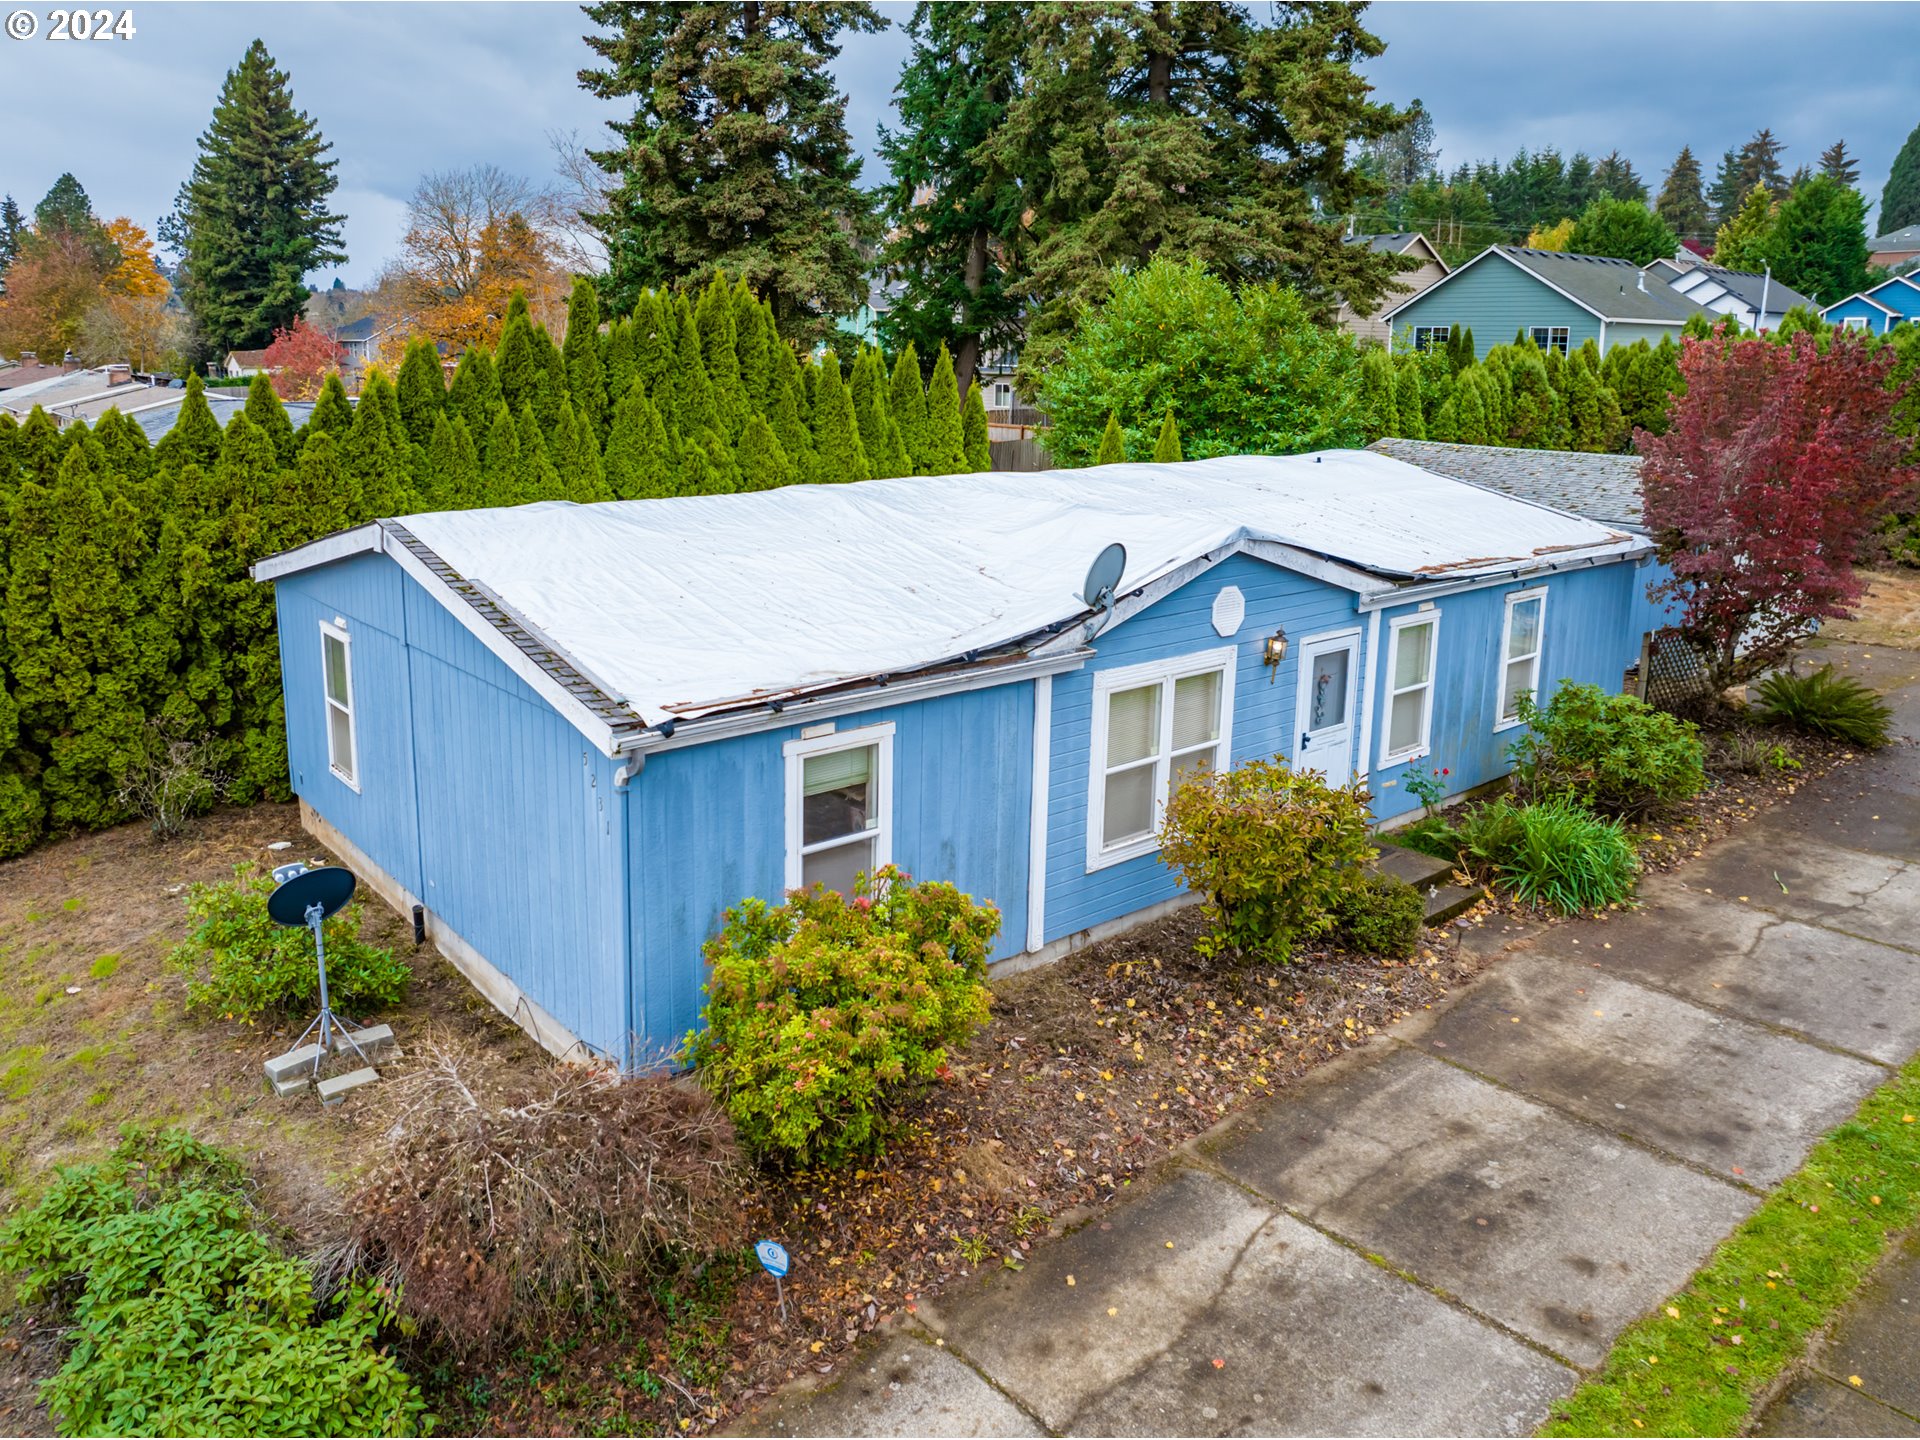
(623,779)
(1363,770)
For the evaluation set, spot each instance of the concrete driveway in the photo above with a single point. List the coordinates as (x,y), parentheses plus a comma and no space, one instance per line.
(1438,1234)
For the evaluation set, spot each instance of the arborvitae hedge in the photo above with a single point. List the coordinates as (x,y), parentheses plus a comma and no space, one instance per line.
(127,615)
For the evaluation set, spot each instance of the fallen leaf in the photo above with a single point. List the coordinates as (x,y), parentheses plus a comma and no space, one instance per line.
(1218,1363)
(1854,1380)
(1673,1312)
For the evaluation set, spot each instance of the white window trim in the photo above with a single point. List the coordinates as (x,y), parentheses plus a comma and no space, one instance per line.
(1436,334)
(1538,592)
(1566,345)
(1425,747)
(1131,677)
(328,704)
(1853,322)
(796,753)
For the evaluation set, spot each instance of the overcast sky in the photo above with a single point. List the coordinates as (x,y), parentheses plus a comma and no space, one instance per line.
(404,88)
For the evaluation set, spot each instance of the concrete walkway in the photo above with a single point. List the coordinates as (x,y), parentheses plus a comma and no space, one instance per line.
(1438,1234)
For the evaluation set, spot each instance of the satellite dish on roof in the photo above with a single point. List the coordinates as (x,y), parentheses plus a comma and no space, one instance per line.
(1103,575)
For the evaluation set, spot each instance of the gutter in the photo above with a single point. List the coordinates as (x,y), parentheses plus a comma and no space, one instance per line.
(623,779)
(1387,599)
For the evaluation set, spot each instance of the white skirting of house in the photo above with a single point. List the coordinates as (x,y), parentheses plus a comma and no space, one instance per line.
(506,997)
(1057,949)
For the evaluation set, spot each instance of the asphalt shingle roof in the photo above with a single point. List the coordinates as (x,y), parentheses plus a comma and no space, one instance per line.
(1600,487)
(1603,284)
(1905,238)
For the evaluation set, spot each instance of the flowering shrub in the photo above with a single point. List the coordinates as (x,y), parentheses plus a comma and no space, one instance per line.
(1273,852)
(824,1012)
(1429,787)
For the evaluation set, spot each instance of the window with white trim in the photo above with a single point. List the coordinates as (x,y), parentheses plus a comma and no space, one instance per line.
(1551,337)
(1154,727)
(1002,394)
(336,685)
(1521,639)
(839,807)
(1425,337)
(1853,322)
(1411,644)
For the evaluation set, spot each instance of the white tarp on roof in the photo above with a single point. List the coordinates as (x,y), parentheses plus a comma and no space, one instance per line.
(680,605)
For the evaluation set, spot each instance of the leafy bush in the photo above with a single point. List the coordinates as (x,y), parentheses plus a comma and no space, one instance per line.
(1746,753)
(823,1011)
(1271,851)
(1614,753)
(239,964)
(1382,915)
(187,1319)
(1568,858)
(1431,835)
(491,1209)
(1823,703)
(1489,835)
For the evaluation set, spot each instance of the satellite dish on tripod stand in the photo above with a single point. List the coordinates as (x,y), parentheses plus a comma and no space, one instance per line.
(308,897)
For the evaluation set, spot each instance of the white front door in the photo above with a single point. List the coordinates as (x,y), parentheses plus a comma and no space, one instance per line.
(1329,682)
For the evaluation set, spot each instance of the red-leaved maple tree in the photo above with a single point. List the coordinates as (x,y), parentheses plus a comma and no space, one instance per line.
(300,359)
(1780,459)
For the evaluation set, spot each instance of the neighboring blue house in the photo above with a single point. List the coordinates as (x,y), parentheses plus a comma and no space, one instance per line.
(1561,300)
(1890,303)
(574,734)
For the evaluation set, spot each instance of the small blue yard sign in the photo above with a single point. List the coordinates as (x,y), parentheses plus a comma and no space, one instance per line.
(773,1256)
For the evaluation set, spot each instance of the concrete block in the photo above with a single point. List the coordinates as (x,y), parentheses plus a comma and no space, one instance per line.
(292,1085)
(281,1067)
(375,1041)
(336,1088)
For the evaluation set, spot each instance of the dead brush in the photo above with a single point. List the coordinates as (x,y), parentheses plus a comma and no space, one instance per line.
(490,1207)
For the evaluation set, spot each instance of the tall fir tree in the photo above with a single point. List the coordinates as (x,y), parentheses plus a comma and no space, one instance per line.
(1128,138)
(1836,164)
(953,206)
(1818,240)
(1683,203)
(736,155)
(252,222)
(1760,162)
(193,440)
(1742,241)
(692,388)
(973,420)
(421,389)
(500,471)
(13,227)
(1900,200)
(867,385)
(1727,193)
(538,478)
(319,489)
(946,435)
(580,352)
(526,378)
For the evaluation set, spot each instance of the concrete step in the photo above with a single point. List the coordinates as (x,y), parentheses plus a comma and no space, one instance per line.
(1417,869)
(1449,901)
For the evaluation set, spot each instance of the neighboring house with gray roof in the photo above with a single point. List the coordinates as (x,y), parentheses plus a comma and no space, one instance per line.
(1560,300)
(1758,302)
(1373,325)
(1895,248)
(1605,488)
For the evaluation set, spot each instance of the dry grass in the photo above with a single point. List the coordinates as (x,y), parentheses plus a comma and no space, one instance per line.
(1889,613)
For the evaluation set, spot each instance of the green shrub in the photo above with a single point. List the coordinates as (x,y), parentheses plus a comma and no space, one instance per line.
(1271,852)
(1566,857)
(824,1012)
(1823,703)
(187,1320)
(1383,915)
(1614,753)
(1430,835)
(1488,836)
(239,964)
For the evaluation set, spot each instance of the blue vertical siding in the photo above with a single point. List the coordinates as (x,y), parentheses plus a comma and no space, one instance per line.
(709,830)
(1589,639)
(474,793)
(1179,624)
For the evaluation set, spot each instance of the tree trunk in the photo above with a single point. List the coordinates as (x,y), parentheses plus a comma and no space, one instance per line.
(967,360)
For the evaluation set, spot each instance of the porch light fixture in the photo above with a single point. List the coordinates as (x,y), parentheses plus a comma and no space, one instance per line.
(1276,647)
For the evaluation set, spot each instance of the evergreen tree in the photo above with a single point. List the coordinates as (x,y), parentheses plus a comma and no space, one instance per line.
(378,454)
(868,386)
(452,469)
(655,345)
(1727,192)
(719,352)
(1166,450)
(500,466)
(1408,406)
(474,395)
(1818,241)
(910,411)
(955,255)
(1129,139)
(946,435)
(754,338)
(619,363)
(538,478)
(639,464)
(838,455)
(1743,241)
(580,353)
(269,416)
(576,457)
(13,228)
(736,156)
(193,440)
(763,464)
(1760,163)
(1586,418)
(1837,165)
(1379,393)
(526,379)
(694,409)
(1113,443)
(1683,203)
(332,412)
(319,491)
(786,390)
(1623,229)
(1613,176)
(973,421)
(1900,200)
(1471,426)
(421,390)
(253,219)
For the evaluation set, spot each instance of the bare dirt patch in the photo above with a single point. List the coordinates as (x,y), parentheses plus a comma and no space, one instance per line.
(1889,612)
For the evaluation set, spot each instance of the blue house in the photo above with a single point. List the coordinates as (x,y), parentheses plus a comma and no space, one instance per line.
(574,734)
(1890,303)
(1560,300)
